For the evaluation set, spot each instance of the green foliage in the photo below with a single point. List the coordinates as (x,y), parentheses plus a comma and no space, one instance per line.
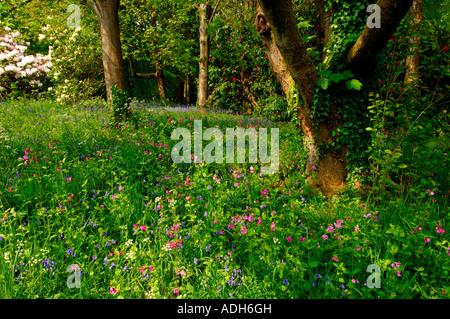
(238,73)
(275,108)
(139,226)
(121,108)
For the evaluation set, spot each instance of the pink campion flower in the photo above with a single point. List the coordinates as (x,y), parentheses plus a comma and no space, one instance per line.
(330,229)
(357,228)
(176,291)
(27,151)
(358,248)
(325,237)
(264,192)
(395,265)
(113,196)
(259,221)
(272,226)
(120,188)
(427,240)
(143,228)
(188,198)
(10,189)
(112,290)
(399,273)
(355,281)
(335,259)
(236,184)
(289,239)
(69,179)
(244,230)
(251,218)
(302,239)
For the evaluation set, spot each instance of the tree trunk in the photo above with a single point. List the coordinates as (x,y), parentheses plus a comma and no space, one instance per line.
(205,14)
(362,56)
(108,16)
(276,61)
(293,65)
(158,75)
(161,83)
(412,60)
(186,93)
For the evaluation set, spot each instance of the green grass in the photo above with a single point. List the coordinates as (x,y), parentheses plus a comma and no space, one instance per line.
(112,201)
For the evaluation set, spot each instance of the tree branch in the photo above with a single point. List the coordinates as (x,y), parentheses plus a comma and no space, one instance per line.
(362,56)
(92,5)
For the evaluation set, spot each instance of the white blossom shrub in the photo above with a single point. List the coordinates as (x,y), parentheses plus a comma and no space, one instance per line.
(20,73)
(77,72)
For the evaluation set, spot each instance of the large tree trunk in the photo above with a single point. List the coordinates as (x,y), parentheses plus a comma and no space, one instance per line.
(293,66)
(278,28)
(412,60)
(205,12)
(362,56)
(108,16)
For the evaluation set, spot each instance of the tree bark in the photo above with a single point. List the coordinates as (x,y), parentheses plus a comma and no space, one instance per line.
(205,15)
(413,58)
(108,16)
(325,21)
(276,61)
(362,56)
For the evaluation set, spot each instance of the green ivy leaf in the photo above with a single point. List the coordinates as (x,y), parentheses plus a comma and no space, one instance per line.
(323,83)
(354,84)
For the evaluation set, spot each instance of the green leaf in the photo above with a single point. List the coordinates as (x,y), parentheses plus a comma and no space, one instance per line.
(354,84)
(314,263)
(323,83)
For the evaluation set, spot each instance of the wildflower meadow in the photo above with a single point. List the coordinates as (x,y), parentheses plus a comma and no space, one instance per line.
(327,176)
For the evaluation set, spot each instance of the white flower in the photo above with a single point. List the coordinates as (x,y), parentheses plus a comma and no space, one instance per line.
(41,36)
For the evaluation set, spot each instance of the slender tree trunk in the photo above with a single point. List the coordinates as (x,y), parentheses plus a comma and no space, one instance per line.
(161,83)
(186,93)
(205,14)
(412,60)
(108,16)
(158,75)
